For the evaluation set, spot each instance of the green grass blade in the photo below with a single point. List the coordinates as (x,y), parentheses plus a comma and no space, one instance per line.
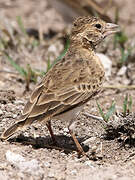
(16,66)
(20,23)
(48,65)
(125,105)
(130,103)
(101,112)
(110,111)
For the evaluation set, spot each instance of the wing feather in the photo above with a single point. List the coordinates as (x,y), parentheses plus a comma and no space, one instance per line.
(41,109)
(46,98)
(52,104)
(33,100)
(54,96)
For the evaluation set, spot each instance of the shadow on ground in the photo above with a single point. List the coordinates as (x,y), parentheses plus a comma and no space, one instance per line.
(64,143)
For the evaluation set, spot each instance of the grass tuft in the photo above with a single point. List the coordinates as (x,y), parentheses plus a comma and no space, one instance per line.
(107,116)
(127,105)
(18,68)
(21,25)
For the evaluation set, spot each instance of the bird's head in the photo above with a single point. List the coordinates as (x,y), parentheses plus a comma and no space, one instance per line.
(91,30)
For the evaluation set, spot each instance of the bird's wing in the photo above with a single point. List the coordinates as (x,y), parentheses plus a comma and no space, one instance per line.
(63,88)
(51,104)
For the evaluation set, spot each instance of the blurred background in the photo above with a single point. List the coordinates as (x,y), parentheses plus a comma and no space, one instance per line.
(34,35)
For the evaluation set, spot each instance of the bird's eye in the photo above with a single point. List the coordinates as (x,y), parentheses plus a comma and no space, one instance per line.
(98,26)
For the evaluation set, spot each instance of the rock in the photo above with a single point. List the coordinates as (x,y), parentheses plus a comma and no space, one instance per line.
(18,102)
(14,116)
(122,71)
(66,130)
(14,158)
(19,161)
(74,172)
(47,164)
(107,63)
(89,140)
(88,163)
(51,174)
(3,175)
(52,48)
(1,112)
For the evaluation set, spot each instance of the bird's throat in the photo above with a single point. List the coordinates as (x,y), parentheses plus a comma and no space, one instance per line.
(82,43)
(88,44)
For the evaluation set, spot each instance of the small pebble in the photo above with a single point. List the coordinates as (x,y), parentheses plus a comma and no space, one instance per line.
(51,174)
(47,164)
(14,116)
(65,130)
(122,71)
(88,163)
(74,172)
(1,112)
(107,63)
(24,165)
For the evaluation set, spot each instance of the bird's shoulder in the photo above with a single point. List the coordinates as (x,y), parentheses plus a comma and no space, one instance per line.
(74,68)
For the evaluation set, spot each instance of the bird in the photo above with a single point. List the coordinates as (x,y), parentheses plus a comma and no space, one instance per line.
(71,82)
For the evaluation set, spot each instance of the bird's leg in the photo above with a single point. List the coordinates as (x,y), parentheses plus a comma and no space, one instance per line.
(79,147)
(48,124)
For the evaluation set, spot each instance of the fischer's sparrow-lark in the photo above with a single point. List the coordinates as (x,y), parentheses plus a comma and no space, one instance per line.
(71,82)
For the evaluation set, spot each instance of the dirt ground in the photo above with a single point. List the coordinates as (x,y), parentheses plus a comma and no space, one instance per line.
(30,154)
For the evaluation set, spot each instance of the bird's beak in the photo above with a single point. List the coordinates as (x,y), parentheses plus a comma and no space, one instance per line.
(111,29)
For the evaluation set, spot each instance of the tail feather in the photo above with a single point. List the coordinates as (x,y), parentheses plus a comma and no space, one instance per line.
(24,122)
(12,129)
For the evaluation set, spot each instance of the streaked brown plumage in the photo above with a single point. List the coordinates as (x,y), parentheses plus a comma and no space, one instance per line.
(71,82)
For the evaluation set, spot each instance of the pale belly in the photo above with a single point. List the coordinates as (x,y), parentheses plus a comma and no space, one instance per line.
(70,114)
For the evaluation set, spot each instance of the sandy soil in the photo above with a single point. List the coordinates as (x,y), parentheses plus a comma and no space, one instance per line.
(30,154)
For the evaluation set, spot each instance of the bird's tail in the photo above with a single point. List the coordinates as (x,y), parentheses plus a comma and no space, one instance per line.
(20,125)
(12,129)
